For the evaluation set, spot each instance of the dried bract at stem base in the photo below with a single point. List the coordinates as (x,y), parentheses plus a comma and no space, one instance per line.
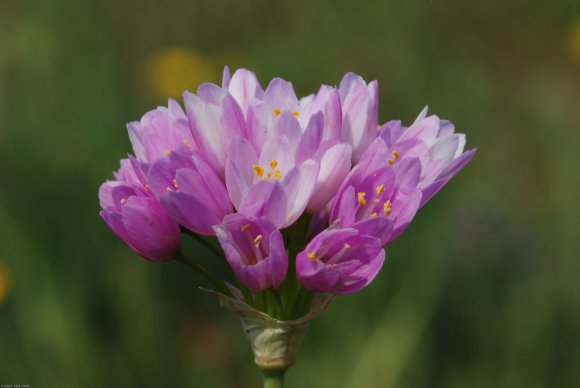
(275,343)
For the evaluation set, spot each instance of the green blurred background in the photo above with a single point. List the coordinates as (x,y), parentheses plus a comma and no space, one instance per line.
(481,291)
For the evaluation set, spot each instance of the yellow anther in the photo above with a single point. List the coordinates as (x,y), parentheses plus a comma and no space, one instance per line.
(374,214)
(146,186)
(296,114)
(312,256)
(186,143)
(175,183)
(245,227)
(376,200)
(259,170)
(268,175)
(387,208)
(290,217)
(167,152)
(274,164)
(258,240)
(380,189)
(169,189)
(346,246)
(277,175)
(395,157)
(276,112)
(361,198)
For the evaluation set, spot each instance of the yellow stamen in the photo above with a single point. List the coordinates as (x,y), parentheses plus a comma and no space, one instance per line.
(296,114)
(380,189)
(146,186)
(167,152)
(277,175)
(376,200)
(387,208)
(346,247)
(374,214)
(276,112)
(187,143)
(274,164)
(268,175)
(259,170)
(245,227)
(395,157)
(290,217)
(175,183)
(258,240)
(312,256)
(361,198)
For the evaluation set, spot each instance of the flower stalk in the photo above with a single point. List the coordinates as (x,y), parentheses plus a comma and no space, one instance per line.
(202,272)
(273,378)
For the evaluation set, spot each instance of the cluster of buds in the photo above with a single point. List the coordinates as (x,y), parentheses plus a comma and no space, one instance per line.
(302,194)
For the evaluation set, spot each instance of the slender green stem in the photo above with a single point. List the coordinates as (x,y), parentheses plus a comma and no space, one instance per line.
(217,253)
(208,245)
(278,299)
(274,378)
(203,272)
(303,302)
(296,242)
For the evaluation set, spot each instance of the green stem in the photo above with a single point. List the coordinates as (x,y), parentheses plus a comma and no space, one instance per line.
(274,378)
(208,245)
(217,253)
(296,242)
(203,272)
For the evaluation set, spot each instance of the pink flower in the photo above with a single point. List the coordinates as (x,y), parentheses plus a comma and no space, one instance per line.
(190,191)
(341,261)
(245,163)
(435,143)
(132,213)
(160,132)
(255,250)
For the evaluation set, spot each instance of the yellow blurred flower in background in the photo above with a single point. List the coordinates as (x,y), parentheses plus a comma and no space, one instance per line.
(574,41)
(171,71)
(4,282)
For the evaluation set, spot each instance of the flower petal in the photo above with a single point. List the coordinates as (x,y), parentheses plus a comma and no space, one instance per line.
(334,167)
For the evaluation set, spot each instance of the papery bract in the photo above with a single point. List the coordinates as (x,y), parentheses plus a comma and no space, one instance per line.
(255,250)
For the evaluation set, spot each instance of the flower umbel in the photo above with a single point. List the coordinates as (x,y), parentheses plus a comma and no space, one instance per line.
(302,194)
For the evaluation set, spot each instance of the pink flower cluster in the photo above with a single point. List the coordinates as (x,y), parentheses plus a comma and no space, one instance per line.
(244,164)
